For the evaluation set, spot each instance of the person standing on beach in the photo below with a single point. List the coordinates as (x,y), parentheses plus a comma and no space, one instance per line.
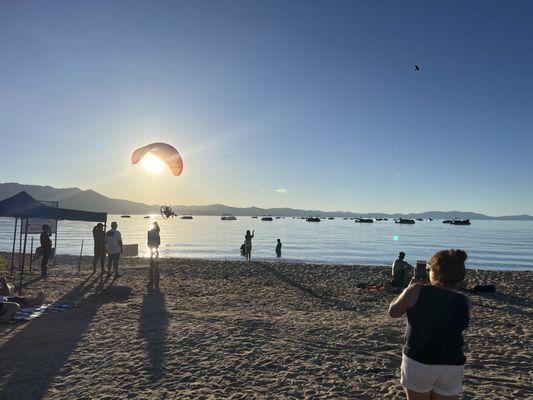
(433,361)
(278,248)
(154,239)
(99,246)
(248,244)
(46,249)
(113,240)
(399,269)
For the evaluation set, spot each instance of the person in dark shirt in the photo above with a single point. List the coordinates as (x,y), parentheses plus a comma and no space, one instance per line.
(278,248)
(46,248)
(437,314)
(154,239)
(99,246)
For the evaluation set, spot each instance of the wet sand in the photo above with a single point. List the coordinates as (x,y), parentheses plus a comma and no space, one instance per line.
(220,329)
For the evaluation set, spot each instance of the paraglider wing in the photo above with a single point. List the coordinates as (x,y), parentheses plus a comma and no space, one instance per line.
(165,152)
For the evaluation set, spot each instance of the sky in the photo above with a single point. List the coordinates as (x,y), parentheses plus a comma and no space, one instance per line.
(304,104)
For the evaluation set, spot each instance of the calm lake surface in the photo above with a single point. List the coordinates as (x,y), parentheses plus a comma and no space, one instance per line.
(489,244)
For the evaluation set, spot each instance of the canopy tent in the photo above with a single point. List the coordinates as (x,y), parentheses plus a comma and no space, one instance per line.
(23,206)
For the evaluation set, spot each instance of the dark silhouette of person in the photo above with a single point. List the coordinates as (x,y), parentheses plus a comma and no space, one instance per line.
(278,248)
(399,271)
(154,239)
(248,244)
(243,249)
(46,248)
(99,246)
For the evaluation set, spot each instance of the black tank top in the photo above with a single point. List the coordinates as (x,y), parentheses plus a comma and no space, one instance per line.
(435,326)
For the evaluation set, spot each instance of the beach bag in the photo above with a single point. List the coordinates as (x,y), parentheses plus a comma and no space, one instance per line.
(38,252)
(483,289)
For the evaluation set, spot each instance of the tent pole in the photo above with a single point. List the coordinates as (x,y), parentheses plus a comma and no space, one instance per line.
(14,241)
(20,243)
(55,246)
(31,253)
(24,256)
(79,260)
(102,259)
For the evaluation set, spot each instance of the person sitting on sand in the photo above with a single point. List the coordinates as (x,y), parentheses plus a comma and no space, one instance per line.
(154,239)
(399,270)
(6,288)
(437,314)
(10,306)
(248,244)
(278,248)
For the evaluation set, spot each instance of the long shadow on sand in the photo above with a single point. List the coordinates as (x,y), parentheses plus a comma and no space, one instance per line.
(153,324)
(324,299)
(35,355)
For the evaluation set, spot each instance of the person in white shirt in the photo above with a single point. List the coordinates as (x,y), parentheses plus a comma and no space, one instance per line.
(113,240)
(399,269)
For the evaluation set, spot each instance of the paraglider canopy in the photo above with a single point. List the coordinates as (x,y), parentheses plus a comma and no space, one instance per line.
(165,152)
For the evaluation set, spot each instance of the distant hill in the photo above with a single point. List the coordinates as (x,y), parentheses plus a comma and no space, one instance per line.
(89,200)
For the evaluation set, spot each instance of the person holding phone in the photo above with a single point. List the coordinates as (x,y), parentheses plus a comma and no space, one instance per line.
(248,244)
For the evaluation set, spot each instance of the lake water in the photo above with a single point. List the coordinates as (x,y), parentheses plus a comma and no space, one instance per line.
(489,244)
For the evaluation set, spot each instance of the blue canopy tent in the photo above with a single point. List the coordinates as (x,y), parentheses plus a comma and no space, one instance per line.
(22,206)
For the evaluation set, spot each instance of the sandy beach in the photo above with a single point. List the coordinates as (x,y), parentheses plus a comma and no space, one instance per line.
(219,329)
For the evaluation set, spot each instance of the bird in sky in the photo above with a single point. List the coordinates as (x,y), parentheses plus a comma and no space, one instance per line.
(417,68)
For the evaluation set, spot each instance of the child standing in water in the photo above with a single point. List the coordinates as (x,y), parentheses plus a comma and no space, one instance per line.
(248,244)
(278,248)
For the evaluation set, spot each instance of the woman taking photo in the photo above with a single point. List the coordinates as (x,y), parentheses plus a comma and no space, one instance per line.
(437,314)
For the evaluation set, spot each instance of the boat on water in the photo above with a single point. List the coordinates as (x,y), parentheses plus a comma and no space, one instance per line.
(278,217)
(146,217)
(460,222)
(447,221)
(267,218)
(430,219)
(254,216)
(125,216)
(407,221)
(186,217)
(228,217)
(364,220)
(313,219)
(419,219)
(330,218)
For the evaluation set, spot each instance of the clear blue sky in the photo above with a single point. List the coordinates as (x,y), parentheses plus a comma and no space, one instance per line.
(317,98)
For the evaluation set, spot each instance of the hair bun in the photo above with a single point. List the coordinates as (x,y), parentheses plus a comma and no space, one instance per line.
(459,255)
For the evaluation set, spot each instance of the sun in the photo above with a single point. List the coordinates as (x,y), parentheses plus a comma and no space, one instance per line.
(152,164)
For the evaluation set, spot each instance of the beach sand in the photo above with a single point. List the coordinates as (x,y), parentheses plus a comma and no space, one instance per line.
(220,329)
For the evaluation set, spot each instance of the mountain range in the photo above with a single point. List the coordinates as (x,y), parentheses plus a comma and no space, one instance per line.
(89,200)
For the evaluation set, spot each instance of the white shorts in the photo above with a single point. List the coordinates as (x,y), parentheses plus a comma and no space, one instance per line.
(445,380)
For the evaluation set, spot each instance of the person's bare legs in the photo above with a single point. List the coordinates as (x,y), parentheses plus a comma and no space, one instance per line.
(435,396)
(418,396)
(35,301)
(10,310)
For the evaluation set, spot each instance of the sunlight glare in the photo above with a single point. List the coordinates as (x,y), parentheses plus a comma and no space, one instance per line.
(153,164)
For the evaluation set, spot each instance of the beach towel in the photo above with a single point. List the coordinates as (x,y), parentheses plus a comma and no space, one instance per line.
(29,313)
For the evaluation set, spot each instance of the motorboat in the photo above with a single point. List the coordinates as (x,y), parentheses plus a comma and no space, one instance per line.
(407,221)
(364,220)
(254,216)
(228,217)
(447,221)
(125,216)
(313,219)
(330,218)
(267,218)
(419,219)
(186,217)
(460,222)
